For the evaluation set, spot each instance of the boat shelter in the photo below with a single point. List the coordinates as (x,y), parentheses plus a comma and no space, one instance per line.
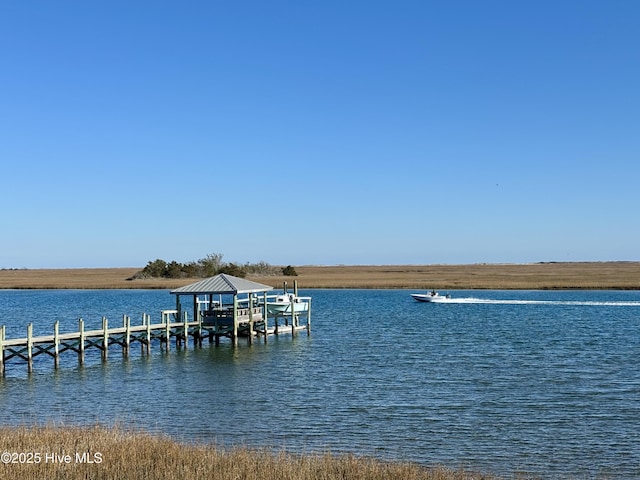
(226,305)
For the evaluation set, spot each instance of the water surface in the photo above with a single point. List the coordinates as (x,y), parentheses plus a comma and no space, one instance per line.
(545,382)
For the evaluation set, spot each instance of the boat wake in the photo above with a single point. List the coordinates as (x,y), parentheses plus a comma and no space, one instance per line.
(472,300)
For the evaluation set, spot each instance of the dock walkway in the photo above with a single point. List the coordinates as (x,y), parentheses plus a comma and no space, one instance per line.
(246,313)
(170,327)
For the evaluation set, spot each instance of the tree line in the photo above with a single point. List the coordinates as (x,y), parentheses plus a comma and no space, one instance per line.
(209,266)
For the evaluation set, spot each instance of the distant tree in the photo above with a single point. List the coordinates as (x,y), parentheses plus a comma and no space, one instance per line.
(173,270)
(191,270)
(233,269)
(210,264)
(261,268)
(157,268)
(289,271)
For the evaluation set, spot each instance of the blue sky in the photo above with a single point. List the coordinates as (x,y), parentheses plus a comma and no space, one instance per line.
(298,132)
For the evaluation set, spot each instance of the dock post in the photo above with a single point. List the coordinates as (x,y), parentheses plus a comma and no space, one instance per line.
(250,337)
(148,324)
(264,315)
(186,330)
(309,318)
(56,343)
(196,317)
(2,332)
(235,320)
(166,319)
(127,335)
(81,342)
(105,339)
(30,347)
(197,336)
(141,340)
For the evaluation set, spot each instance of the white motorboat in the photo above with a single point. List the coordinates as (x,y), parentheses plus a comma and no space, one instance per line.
(286,304)
(431,296)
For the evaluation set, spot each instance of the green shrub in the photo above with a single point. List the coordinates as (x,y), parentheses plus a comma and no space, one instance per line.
(289,271)
(208,266)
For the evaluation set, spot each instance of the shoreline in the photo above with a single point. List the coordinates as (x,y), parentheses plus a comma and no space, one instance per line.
(81,452)
(533,276)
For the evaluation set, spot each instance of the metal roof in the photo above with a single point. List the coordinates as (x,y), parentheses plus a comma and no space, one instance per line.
(222,284)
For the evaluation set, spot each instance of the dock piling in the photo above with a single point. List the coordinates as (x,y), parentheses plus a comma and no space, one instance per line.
(81,342)
(127,335)
(266,322)
(165,318)
(185,330)
(147,322)
(2,332)
(105,338)
(56,344)
(30,347)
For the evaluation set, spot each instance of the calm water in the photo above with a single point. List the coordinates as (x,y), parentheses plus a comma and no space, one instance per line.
(501,381)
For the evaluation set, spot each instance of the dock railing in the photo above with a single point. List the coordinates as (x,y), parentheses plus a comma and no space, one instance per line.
(29,347)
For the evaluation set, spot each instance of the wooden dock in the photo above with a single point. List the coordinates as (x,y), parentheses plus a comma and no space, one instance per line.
(29,347)
(243,316)
(170,327)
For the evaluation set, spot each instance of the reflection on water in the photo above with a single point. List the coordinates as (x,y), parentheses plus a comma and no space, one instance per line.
(534,381)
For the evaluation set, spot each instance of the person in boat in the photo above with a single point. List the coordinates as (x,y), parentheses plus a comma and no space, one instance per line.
(433,293)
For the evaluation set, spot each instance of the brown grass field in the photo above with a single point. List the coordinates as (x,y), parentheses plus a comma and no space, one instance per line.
(578,275)
(57,453)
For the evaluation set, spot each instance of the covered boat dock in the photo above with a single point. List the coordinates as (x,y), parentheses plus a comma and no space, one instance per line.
(228,306)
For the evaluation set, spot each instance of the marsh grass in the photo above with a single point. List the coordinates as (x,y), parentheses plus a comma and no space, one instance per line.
(136,456)
(584,275)
(577,275)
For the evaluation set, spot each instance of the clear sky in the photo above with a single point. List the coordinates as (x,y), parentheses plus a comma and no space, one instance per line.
(319,132)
